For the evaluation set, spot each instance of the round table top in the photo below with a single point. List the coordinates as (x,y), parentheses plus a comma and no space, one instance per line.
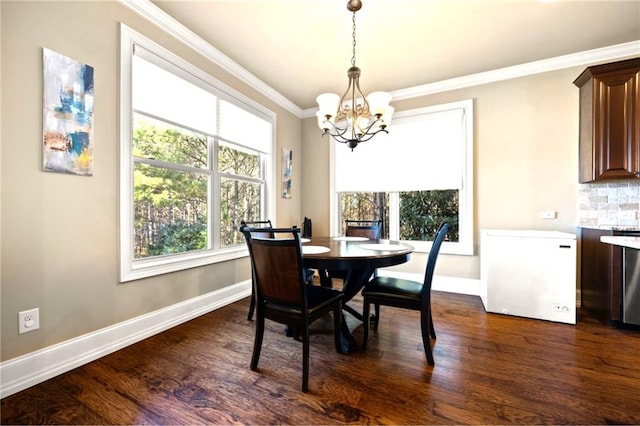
(354,253)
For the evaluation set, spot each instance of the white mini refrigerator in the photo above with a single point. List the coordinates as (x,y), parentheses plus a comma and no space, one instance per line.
(529,274)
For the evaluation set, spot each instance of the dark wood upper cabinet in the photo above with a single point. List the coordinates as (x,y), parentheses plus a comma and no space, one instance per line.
(610,121)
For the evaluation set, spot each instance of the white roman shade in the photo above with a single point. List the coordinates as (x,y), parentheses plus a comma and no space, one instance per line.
(162,95)
(421,152)
(243,127)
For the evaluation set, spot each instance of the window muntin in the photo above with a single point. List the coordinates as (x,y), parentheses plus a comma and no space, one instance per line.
(195,158)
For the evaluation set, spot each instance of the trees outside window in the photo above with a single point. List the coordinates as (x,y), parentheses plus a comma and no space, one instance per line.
(422,212)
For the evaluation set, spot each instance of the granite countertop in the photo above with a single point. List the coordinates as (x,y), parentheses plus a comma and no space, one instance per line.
(622,241)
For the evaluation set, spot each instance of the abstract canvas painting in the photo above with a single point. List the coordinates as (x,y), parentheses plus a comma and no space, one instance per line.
(287,169)
(67,115)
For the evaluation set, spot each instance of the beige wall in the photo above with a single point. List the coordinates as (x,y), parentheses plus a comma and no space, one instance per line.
(526,160)
(59,232)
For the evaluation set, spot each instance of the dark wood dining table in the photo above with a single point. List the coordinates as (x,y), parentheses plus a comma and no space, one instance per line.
(357,259)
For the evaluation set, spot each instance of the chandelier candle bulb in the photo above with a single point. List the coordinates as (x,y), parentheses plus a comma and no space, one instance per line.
(378,102)
(324,121)
(386,117)
(328,104)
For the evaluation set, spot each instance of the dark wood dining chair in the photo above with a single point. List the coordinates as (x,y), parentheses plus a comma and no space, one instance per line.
(262,228)
(406,294)
(282,293)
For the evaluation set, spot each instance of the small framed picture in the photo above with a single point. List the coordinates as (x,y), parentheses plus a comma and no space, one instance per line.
(67,134)
(287,169)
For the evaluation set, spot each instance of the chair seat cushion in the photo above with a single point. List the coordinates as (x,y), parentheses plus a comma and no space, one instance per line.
(393,288)
(318,299)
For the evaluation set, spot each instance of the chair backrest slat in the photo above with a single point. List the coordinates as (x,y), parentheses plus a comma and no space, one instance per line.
(363,228)
(257,225)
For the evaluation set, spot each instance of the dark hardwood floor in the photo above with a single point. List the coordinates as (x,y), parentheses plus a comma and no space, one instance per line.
(490,369)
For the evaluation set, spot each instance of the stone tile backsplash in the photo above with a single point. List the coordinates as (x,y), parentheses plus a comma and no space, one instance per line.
(609,205)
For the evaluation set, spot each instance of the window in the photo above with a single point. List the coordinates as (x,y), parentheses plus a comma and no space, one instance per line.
(414,178)
(195,161)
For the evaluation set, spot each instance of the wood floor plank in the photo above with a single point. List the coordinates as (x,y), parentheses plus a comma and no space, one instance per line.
(490,369)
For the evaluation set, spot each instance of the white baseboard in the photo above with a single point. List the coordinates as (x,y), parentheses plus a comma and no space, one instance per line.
(440,283)
(28,370)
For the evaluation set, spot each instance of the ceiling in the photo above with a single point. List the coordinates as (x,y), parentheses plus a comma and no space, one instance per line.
(302,48)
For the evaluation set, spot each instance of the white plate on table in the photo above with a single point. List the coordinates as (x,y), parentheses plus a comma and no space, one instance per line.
(351,238)
(315,249)
(304,240)
(384,247)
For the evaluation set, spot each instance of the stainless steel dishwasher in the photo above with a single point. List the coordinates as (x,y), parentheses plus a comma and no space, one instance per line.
(631,287)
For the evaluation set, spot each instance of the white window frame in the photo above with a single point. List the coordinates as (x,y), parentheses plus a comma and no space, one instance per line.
(465,245)
(131,268)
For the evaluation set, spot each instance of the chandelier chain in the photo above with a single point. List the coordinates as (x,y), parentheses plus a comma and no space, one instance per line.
(353,34)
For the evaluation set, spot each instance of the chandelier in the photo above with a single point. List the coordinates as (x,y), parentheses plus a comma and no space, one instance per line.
(353,118)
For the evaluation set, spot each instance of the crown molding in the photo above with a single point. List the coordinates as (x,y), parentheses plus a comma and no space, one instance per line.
(162,20)
(585,58)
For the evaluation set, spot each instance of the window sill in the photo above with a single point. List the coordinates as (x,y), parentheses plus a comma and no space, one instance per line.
(461,248)
(145,268)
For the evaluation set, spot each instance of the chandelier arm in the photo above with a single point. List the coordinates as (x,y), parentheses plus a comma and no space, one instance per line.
(368,136)
(342,139)
(338,131)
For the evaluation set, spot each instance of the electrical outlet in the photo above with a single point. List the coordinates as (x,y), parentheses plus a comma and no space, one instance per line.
(28,320)
(547,214)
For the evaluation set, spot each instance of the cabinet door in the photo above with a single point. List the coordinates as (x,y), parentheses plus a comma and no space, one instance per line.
(616,125)
(595,276)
